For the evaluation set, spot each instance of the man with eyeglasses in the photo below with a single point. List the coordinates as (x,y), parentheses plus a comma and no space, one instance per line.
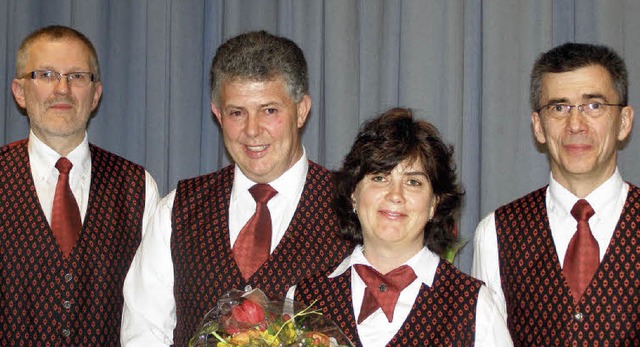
(71,214)
(564,258)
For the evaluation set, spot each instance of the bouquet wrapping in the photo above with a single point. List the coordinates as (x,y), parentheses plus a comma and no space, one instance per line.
(243,319)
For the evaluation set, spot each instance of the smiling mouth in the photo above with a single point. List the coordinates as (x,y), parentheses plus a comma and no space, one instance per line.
(392,214)
(257,148)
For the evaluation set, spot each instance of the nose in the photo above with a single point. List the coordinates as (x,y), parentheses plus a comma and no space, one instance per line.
(62,86)
(395,193)
(576,121)
(252,125)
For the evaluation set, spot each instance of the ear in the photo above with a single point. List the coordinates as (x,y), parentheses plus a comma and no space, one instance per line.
(216,112)
(353,200)
(626,122)
(538,128)
(434,206)
(304,106)
(96,95)
(18,92)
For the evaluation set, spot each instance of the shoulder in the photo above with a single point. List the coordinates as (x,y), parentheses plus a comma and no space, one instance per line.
(319,179)
(225,172)
(532,197)
(633,187)
(321,282)
(317,170)
(222,180)
(454,276)
(111,158)
(16,145)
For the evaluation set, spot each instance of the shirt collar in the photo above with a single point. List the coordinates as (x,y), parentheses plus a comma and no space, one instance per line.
(560,199)
(424,264)
(43,158)
(288,184)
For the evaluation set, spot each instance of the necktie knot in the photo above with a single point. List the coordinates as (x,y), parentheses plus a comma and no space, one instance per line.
(262,193)
(582,211)
(382,290)
(64,165)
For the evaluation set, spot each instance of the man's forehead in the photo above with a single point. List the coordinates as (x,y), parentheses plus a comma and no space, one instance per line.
(585,82)
(45,51)
(239,81)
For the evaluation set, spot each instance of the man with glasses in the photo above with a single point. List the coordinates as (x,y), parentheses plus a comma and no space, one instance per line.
(565,257)
(71,214)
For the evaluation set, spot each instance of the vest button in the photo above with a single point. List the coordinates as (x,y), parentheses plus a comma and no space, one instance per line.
(578,316)
(382,288)
(66,332)
(247,288)
(68,277)
(67,304)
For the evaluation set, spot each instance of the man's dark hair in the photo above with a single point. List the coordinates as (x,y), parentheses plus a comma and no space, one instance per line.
(572,56)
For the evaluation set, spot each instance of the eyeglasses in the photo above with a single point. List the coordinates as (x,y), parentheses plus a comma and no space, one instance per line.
(591,109)
(48,77)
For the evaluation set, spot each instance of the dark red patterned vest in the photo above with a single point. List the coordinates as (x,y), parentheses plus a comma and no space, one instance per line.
(44,299)
(442,315)
(540,308)
(204,266)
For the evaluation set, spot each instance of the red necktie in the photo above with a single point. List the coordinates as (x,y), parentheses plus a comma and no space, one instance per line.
(583,255)
(65,214)
(382,290)
(253,245)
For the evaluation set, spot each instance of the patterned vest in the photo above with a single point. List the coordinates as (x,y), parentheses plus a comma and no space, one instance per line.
(442,315)
(540,308)
(204,266)
(45,299)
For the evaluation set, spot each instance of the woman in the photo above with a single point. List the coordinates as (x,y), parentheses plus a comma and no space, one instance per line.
(397,198)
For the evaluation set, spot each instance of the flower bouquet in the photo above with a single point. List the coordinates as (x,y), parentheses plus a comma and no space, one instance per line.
(250,319)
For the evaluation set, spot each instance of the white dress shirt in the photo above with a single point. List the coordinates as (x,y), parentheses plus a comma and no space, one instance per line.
(376,331)
(43,159)
(607,201)
(149,314)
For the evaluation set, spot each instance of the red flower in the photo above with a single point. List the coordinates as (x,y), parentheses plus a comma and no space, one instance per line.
(245,315)
(248,312)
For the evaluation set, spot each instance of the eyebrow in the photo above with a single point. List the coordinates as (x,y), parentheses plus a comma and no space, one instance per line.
(266,104)
(270,104)
(585,97)
(416,173)
(70,70)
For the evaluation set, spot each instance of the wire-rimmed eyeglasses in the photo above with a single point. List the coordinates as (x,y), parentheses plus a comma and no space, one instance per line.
(591,109)
(48,77)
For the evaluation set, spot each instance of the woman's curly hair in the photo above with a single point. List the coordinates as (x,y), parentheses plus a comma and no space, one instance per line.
(381,144)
